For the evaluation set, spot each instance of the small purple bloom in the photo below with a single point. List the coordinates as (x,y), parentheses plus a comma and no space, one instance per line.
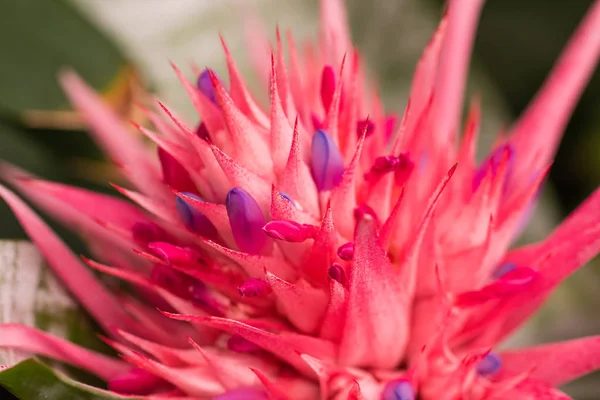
(246,220)
(327,161)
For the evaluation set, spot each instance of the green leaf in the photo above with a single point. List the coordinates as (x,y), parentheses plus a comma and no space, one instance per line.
(33,380)
(38,38)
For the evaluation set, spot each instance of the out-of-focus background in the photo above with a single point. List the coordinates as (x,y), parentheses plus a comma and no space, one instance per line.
(122,47)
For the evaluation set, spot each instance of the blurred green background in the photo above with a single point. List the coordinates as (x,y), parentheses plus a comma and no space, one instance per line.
(122,47)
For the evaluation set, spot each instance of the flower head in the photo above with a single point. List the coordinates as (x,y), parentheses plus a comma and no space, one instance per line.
(304,249)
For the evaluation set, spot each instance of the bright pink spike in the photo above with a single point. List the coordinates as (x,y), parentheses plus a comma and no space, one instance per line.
(290,231)
(327,86)
(296,179)
(283,345)
(281,131)
(538,131)
(192,380)
(135,381)
(555,363)
(250,148)
(322,254)
(373,336)
(515,281)
(174,174)
(453,67)
(255,287)
(335,316)
(110,133)
(335,33)
(239,92)
(295,298)
(96,299)
(28,339)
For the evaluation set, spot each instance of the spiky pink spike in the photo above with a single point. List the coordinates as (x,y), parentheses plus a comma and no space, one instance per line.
(372,282)
(97,300)
(284,346)
(31,340)
(556,363)
(281,131)
(299,296)
(249,147)
(538,131)
(335,317)
(322,254)
(112,136)
(239,92)
(208,111)
(296,179)
(283,80)
(453,66)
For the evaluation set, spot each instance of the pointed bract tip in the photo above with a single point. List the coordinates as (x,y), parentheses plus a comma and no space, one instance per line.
(326,161)
(246,220)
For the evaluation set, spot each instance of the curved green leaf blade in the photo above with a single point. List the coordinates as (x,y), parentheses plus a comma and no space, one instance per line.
(33,380)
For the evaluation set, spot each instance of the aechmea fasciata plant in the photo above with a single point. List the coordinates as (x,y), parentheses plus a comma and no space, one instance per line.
(317,246)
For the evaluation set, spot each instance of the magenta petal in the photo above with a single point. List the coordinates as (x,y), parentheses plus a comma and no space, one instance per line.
(327,161)
(174,174)
(327,86)
(135,381)
(288,231)
(246,220)
(337,273)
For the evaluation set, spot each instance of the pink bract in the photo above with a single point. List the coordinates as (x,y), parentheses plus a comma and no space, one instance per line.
(305,250)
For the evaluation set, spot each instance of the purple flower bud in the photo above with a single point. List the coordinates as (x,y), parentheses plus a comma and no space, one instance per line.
(240,345)
(346,251)
(400,389)
(193,219)
(337,273)
(254,287)
(327,162)
(205,86)
(246,220)
(489,364)
(503,270)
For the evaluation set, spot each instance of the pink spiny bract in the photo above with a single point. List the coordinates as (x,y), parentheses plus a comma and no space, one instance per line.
(313,249)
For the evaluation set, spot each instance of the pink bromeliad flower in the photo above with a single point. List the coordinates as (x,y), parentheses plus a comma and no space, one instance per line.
(317,247)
